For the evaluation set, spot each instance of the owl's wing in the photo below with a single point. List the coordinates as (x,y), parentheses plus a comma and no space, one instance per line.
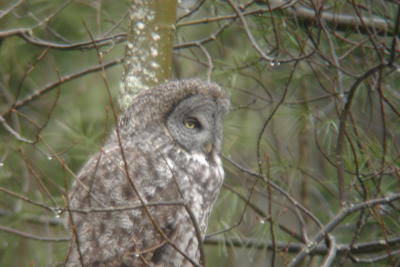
(110,225)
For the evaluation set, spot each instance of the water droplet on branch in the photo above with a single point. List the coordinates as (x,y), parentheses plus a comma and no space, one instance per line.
(274,63)
(57,212)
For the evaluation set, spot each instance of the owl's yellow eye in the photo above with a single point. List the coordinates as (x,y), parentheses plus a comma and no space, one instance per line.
(191,123)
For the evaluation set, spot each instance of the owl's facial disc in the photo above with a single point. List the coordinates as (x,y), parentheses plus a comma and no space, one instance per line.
(195,124)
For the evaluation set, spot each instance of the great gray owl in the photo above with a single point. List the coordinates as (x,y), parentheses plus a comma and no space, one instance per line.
(164,153)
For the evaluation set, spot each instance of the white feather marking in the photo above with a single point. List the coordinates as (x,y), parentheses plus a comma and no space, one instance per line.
(220,169)
(125,222)
(199,158)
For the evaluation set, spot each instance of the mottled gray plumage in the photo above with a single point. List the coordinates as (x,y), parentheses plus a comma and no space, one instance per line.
(171,139)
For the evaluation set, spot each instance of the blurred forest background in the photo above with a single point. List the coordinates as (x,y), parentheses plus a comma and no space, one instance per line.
(312,145)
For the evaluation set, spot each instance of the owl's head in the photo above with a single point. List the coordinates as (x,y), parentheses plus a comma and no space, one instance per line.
(189,111)
(196,123)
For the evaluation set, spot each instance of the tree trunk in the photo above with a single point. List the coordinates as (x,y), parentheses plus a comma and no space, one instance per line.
(148,58)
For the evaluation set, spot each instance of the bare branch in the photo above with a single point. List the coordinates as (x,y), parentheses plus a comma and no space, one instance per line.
(334,222)
(290,247)
(60,81)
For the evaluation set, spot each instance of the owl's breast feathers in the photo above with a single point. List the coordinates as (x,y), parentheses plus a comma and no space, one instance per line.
(112,226)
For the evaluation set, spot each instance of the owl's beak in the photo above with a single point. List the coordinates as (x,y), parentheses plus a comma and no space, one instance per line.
(208,147)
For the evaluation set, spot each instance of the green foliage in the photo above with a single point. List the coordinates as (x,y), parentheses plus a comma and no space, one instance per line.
(300,98)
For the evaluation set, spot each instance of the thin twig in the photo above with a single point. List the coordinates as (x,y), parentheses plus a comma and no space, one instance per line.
(14,133)
(32,236)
